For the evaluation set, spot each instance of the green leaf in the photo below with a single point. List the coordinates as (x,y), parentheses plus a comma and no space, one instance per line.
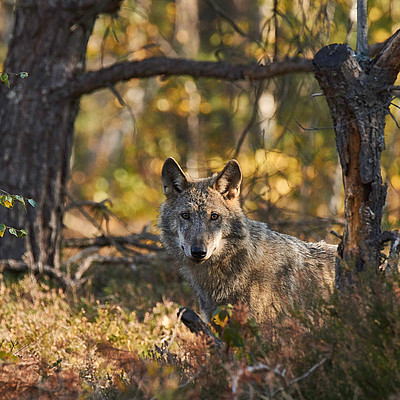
(21,200)
(4,78)
(32,202)
(23,75)
(21,233)
(13,231)
(2,229)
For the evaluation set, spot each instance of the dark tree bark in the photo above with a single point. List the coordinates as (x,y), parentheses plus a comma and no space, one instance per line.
(49,41)
(358,95)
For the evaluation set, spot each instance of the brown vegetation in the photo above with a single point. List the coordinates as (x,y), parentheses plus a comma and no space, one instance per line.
(61,345)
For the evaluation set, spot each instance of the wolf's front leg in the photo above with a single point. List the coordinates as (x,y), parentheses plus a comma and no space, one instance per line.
(207,307)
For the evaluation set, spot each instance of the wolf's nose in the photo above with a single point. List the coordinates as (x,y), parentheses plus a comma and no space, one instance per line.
(198,252)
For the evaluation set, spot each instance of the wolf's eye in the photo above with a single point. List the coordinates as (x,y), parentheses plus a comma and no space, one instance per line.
(214,216)
(185,215)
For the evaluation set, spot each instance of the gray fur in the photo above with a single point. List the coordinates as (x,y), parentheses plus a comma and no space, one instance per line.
(230,258)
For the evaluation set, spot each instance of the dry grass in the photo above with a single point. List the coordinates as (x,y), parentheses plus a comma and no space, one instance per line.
(56,344)
(126,343)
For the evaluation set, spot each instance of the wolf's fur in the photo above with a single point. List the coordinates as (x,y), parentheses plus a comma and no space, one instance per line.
(229,258)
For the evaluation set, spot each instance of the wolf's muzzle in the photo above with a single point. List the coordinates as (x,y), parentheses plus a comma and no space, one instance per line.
(198,252)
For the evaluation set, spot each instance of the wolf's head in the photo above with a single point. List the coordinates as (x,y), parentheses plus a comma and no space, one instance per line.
(199,214)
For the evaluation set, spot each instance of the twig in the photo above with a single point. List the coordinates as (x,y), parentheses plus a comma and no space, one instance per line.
(362,30)
(338,235)
(253,118)
(320,128)
(299,378)
(78,204)
(193,378)
(260,367)
(99,227)
(394,118)
(20,266)
(103,260)
(223,14)
(103,241)
(77,257)
(82,254)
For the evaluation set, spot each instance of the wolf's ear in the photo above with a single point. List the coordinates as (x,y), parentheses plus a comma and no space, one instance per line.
(229,179)
(173,178)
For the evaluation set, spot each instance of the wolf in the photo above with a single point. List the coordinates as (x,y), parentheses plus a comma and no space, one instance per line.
(229,258)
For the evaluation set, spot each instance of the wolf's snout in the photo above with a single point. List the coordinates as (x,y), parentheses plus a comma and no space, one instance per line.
(198,252)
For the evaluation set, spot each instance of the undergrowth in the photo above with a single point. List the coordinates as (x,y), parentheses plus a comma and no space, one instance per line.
(121,339)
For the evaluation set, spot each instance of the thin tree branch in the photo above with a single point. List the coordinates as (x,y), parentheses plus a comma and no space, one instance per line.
(151,67)
(299,378)
(223,14)
(253,118)
(21,266)
(235,379)
(137,240)
(98,258)
(388,58)
(362,30)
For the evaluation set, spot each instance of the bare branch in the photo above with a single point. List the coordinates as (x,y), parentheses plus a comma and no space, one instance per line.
(299,378)
(388,58)
(362,30)
(137,240)
(21,266)
(224,15)
(193,378)
(151,67)
(97,258)
(260,367)
(253,118)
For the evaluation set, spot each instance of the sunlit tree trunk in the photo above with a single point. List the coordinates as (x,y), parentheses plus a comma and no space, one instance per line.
(358,94)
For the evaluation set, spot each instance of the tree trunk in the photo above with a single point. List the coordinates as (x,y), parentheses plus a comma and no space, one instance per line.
(49,42)
(358,95)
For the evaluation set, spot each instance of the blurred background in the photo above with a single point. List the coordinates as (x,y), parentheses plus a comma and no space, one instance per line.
(280,129)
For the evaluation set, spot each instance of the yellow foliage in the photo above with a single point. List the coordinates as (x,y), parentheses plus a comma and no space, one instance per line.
(374,14)
(282,186)
(380,35)
(395,181)
(220,322)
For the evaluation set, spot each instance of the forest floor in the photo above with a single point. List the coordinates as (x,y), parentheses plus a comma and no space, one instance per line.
(120,338)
